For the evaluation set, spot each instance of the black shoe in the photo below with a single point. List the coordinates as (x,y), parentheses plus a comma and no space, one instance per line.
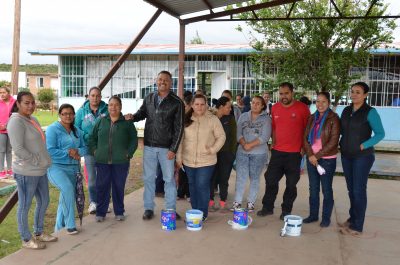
(148,215)
(178,217)
(265,212)
(283,214)
(310,219)
(325,223)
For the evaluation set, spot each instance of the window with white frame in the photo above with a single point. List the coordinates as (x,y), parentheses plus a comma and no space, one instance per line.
(39,82)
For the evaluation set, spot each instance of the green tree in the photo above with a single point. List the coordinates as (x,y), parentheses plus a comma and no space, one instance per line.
(197,39)
(318,54)
(45,96)
(5,83)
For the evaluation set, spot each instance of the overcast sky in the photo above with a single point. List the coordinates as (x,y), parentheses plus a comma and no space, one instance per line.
(60,23)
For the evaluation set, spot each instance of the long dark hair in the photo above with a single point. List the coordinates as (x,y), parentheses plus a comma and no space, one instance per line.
(19,99)
(264,105)
(188,116)
(72,126)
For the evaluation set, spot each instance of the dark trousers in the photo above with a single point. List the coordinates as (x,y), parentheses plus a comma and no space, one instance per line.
(325,181)
(199,185)
(183,187)
(159,180)
(111,177)
(221,174)
(356,171)
(282,163)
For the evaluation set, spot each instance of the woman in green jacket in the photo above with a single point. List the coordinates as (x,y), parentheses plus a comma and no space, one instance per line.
(113,142)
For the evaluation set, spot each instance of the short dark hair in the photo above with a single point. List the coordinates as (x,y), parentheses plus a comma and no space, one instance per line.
(240,95)
(116,98)
(165,72)
(288,85)
(364,86)
(226,91)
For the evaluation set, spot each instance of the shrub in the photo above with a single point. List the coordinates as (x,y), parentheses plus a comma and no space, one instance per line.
(45,96)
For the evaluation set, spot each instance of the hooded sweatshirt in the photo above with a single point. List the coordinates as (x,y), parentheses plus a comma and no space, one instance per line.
(29,145)
(85,118)
(5,110)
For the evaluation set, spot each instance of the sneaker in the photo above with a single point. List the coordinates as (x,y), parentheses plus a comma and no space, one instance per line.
(250,207)
(204,219)
(224,207)
(100,219)
(33,244)
(109,209)
(325,223)
(72,231)
(188,199)
(10,172)
(264,212)
(45,238)
(120,217)
(92,208)
(148,215)
(235,206)
(212,206)
(3,174)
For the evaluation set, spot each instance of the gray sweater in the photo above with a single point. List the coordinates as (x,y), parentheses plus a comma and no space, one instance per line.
(32,158)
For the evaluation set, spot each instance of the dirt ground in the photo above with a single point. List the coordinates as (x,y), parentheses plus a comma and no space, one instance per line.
(134,180)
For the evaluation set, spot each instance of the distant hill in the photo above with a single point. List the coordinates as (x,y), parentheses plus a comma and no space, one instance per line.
(32,68)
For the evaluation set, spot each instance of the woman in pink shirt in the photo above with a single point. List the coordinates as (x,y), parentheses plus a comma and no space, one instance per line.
(6,103)
(321,145)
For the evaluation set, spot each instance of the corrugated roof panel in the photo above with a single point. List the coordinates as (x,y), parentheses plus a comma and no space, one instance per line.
(191,6)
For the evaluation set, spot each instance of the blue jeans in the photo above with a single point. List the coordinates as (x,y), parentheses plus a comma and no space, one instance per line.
(92,175)
(199,186)
(151,157)
(356,171)
(28,187)
(63,177)
(248,165)
(325,181)
(111,177)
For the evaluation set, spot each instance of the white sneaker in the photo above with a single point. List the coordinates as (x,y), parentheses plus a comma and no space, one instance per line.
(92,208)
(109,209)
(250,207)
(235,206)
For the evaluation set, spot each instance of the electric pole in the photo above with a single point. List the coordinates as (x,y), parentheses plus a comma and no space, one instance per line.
(16,44)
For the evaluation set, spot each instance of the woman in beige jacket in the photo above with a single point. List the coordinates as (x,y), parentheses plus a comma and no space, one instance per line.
(202,139)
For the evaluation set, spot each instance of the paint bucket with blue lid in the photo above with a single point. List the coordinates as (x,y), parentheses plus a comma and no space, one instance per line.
(168,220)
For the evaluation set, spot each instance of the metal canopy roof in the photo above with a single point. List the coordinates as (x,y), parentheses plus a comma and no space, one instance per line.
(178,8)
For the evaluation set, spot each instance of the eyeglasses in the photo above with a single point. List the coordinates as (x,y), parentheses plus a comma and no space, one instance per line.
(67,114)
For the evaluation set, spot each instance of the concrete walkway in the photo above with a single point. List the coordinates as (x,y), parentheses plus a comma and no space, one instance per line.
(138,242)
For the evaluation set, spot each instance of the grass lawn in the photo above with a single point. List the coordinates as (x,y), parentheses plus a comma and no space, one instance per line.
(9,237)
(46,118)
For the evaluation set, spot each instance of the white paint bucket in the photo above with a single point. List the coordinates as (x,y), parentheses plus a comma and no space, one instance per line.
(194,220)
(292,225)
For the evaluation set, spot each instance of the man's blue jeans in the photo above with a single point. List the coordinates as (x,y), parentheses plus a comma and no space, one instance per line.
(325,181)
(199,186)
(91,171)
(28,187)
(356,171)
(151,157)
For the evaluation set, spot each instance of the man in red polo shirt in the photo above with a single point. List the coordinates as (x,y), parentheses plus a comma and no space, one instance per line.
(289,119)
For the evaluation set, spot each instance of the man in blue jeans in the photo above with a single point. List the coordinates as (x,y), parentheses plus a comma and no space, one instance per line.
(164,114)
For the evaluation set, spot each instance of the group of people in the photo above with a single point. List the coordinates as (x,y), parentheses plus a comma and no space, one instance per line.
(201,142)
